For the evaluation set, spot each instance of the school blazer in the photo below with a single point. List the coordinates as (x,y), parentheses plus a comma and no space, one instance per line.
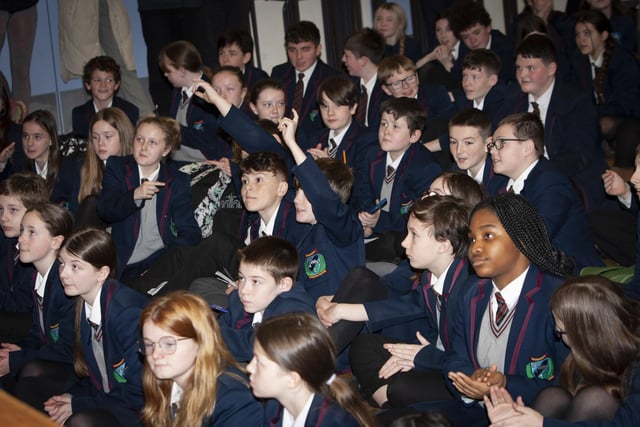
(285,225)
(621,86)
(201,131)
(287,75)
(236,327)
(376,98)
(121,307)
(323,413)
(417,169)
(333,246)
(253,75)
(235,404)
(16,279)
(563,214)
(421,303)
(435,100)
(174,212)
(493,100)
(56,343)
(632,289)
(82,115)
(534,354)
(501,45)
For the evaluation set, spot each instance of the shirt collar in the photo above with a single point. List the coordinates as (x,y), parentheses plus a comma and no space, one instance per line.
(267,228)
(437,283)
(96,109)
(307,74)
(176,393)
(511,292)
(42,172)
(543,101)
(394,163)
(518,184)
(93,310)
(455,52)
(337,137)
(299,421)
(479,105)
(478,177)
(152,177)
(41,282)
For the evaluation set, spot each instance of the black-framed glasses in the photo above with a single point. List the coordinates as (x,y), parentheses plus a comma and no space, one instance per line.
(407,80)
(498,143)
(167,345)
(558,333)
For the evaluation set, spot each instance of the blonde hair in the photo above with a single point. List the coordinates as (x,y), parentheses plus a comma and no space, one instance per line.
(189,316)
(93,168)
(169,127)
(398,11)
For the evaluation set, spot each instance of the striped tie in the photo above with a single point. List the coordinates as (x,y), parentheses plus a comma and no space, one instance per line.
(298,93)
(502,310)
(333,147)
(391,173)
(361,112)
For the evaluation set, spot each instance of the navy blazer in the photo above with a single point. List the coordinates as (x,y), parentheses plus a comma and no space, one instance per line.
(623,29)
(376,98)
(436,102)
(236,327)
(201,132)
(627,415)
(493,183)
(632,289)
(58,312)
(493,100)
(417,169)
(235,404)
(572,137)
(323,413)
(411,49)
(120,307)
(253,75)
(176,223)
(17,160)
(285,225)
(622,84)
(563,214)
(501,45)
(82,115)
(421,304)
(534,354)
(333,246)
(286,74)
(16,279)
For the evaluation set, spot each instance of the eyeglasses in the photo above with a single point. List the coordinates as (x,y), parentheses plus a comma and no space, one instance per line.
(167,345)
(408,81)
(498,143)
(558,333)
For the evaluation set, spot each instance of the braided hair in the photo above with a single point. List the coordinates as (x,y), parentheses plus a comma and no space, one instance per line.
(524,225)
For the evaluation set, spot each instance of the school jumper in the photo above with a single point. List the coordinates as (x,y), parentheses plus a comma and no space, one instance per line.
(82,115)
(54,341)
(176,223)
(120,326)
(236,324)
(287,75)
(323,413)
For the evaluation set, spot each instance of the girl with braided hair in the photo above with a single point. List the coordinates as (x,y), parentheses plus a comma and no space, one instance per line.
(607,70)
(391,22)
(504,331)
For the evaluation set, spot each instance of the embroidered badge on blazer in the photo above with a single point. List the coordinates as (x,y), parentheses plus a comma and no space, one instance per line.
(540,367)
(313,115)
(119,371)
(199,125)
(404,207)
(54,332)
(314,264)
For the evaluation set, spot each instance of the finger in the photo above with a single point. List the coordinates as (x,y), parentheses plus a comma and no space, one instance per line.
(422,340)
(295,115)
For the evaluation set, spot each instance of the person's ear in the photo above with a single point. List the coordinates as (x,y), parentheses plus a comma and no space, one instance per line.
(493,79)
(604,35)
(285,284)
(103,273)
(283,187)
(253,108)
(246,58)
(353,109)
(386,90)
(553,67)
(415,136)
(444,247)
(56,242)
(116,87)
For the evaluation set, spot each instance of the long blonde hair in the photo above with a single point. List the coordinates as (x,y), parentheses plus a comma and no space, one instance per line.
(398,11)
(189,316)
(92,168)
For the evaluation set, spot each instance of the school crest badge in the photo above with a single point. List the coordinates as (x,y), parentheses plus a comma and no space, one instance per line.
(119,370)
(314,264)
(540,367)
(199,125)
(54,332)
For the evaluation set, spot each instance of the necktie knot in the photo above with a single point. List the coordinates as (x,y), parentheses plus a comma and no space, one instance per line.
(391,173)
(97,330)
(300,77)
(298,94)
(361,111)
(501,309)
(536,108)
(333,147)
(185,97)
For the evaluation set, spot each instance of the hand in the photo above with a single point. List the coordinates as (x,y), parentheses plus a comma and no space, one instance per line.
(322,305)
(147,190)
(287,128)
(318,153)
(59,408)
(402,357)
(442,52)
(614,185)
(10,346)
(469,387)
(523,416)
(223,164)
(368,231)
(369,220)
(499,404)
(8,151)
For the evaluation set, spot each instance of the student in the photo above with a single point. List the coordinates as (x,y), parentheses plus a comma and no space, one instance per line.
(333,244)
(517,150)
(101,80)
(469,134)
(266,287)
(267,100)
(606,70)
(303,73)
(43,157)
(345,139)
(181,63)
(504,330)
(391,22)
(400,171)
(111,134)
(18,193)
(600,378)
(235,49)
(387,369)
(190,378)
(471,23)
(42,231)
(293,362)
(363,51)
(10,134)
(147,201)
(435,67)
(481,88)
(109,386)
(621,18)
(569,118)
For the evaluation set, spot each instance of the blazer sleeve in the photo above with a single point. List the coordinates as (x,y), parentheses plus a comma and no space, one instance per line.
(235,405)
(116,202)
(186,227)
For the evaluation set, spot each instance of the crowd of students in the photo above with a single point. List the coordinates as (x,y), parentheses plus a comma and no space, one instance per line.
(398,245)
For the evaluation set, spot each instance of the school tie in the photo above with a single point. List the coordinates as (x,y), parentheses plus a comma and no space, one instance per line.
(97,330)
(391,173)
(361,112)
(98,353)
(185,97)
(536,108)
(510,190)
(438,298)
(501,310)
(174,408)
(333,147)
(298,93)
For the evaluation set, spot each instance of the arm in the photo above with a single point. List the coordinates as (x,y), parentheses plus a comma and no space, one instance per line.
(183,223)
(116,202)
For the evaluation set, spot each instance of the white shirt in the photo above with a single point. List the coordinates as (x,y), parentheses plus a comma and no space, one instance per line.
(369,85)
(257,318)
(289,421)
(42,172)
(176,393)
(478,177)
(543,103)
(479,105)
(598,63)
(94,311)
(393,163)
(96,109)
(307,76)
(152,177)
(455,52)
(510,293)
(41,282)
(337,137)
(518,184)
(265,229)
